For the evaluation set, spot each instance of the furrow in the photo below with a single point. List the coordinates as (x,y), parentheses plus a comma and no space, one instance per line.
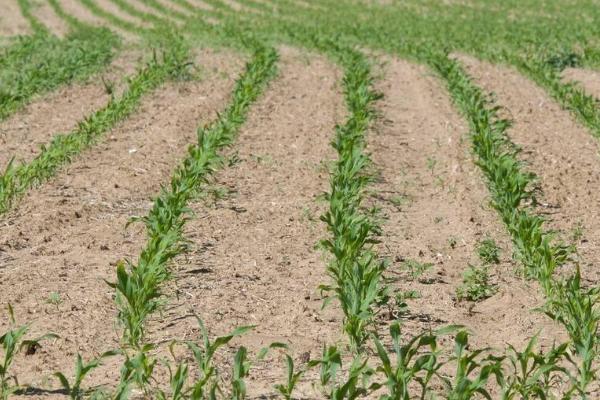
(436,212)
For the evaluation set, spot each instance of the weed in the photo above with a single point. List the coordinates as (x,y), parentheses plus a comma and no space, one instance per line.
(452,242)
(577,233)
(401,298)
(488,251)
(415,268)
(399,200)
(475,285)
(54,299)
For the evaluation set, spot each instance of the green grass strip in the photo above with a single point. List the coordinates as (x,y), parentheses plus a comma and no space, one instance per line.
(138,285)
(511,190)
(73,22)
(18,179)
(40,63)
(355,269)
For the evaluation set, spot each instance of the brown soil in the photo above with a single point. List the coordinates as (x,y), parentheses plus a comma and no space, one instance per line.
(561,152)
(436,210)
(12,21)
(589,79)
(67,235)
(253,260)
(46,15)
(23,133)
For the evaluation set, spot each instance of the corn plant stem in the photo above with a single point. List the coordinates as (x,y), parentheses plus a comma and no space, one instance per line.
(18,179)
(138,285)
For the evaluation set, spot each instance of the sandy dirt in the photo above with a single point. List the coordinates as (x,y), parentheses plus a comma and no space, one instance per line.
(436,210)
(66,237)
(589,79)
(22,134)
(12,21)
(253,260)
(559,150)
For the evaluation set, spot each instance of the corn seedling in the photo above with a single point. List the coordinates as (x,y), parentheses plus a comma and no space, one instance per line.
(353,386)
(41,63)
(12,342)
(355,269)
(535,374)
(416,363)
(577,310)
(73,389)
(464,386)
(138,285)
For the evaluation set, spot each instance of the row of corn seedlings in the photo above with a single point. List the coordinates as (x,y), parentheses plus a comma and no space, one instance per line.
(18,178)
(138,285)
(41,62)
(354,268)
(513,195)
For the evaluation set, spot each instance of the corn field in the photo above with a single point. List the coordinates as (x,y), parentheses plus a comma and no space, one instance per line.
(299,199)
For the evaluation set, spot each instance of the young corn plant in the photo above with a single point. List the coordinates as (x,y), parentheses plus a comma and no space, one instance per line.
(416,363)
(13,341)
(533,374)
(513,193)
(353,386)
(577,310)
(138,286)
(73,389)
(472,371)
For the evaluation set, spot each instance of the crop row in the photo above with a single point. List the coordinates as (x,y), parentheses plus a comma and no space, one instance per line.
(39,63)
(18,178)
